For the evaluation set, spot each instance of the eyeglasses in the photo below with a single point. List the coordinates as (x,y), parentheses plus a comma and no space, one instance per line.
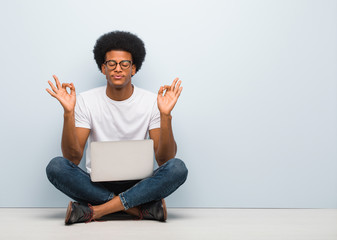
(112,64)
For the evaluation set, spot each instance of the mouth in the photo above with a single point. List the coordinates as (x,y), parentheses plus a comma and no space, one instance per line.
(117,76)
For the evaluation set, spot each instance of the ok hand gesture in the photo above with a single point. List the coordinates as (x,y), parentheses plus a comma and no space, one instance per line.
(60,93)
(167,100)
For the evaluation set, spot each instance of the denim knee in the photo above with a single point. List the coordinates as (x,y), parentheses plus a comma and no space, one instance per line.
(55,167)
(179,169)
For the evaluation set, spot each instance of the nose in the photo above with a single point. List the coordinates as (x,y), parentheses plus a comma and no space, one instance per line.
(118,68)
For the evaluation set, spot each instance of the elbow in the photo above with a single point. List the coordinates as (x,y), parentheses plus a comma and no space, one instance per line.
(160,159)
(163,155)
(73,156)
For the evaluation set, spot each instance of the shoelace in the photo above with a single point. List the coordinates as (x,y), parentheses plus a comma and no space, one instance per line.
(143,212)
(89,215)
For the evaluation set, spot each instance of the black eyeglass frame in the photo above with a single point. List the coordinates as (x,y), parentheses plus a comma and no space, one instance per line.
(113,61)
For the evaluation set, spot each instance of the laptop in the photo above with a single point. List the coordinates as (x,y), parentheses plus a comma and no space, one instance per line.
(121,160)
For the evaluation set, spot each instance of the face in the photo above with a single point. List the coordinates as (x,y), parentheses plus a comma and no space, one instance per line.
(118,77)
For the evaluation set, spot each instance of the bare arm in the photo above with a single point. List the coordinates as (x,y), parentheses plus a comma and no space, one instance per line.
(73,139)
(164,143)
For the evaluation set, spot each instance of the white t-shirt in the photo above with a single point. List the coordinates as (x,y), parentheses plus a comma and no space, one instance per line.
(111,120)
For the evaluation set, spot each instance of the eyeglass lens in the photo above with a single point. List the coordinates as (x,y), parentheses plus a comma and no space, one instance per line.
(125,64)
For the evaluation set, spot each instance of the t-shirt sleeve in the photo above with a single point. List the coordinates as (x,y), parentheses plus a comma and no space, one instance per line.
(82,116)
(155,117)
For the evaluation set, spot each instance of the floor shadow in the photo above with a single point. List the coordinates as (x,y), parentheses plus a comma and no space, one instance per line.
(112,216)
(55,215)
(117,216)
(175,215)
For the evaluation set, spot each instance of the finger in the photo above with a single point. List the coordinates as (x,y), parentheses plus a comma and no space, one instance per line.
(179,91)
(52,86)
(58,85)
(51,93)
(177,88)
(72,89)
(161,90)
(174,83)
(66,85)
(166,88)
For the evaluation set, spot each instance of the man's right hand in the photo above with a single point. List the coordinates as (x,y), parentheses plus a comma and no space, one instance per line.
(60,93)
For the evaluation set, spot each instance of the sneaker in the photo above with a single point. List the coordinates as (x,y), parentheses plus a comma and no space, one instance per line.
(77,213)
(155,210)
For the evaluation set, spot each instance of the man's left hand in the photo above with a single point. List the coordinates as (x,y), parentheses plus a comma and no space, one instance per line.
(168,96)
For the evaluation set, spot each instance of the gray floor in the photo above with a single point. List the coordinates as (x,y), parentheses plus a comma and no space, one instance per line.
(182,223)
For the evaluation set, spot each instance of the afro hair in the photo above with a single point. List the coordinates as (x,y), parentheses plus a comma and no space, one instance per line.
(120,40)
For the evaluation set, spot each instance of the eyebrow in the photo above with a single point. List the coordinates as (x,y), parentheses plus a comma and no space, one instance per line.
(119,61)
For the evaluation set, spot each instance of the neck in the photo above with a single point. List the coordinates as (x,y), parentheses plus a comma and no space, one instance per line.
(119,94)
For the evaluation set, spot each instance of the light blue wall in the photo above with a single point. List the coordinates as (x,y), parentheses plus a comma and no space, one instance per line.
(256,121)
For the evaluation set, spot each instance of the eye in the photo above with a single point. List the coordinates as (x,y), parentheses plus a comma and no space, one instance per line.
(125,64)
(111,64)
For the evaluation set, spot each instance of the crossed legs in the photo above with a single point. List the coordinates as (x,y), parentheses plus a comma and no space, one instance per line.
(110,197)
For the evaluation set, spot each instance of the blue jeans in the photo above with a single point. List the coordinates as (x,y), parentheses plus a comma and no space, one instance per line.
(76,183)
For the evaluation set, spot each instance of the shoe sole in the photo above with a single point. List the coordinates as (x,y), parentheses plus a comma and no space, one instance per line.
(164,208)
(70,206)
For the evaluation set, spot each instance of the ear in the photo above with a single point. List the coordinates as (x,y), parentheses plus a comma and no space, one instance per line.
(103,69)
(133,71)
